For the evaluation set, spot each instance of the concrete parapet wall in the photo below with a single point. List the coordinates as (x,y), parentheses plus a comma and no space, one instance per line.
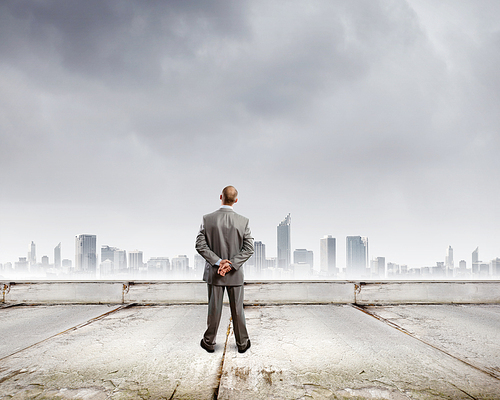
(62,292)
(413,292)
(268,292)
(305,292)
(165,292)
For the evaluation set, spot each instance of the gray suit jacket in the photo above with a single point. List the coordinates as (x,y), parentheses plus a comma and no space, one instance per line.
(224,234)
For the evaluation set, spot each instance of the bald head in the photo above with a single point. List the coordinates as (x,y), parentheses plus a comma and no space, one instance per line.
(229,195)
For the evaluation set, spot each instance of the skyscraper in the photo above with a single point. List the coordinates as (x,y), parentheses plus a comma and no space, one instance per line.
(117,257)
(328,255)
(199,265)
(32,254)
(160,266)
(284,243)
(260,256)
(356,256)
(180,265)
(135,260)
(475,261)
(85,253)
(57,256)
(449,262)
(377,268)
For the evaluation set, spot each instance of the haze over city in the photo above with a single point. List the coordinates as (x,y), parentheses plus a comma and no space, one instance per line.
(125,119)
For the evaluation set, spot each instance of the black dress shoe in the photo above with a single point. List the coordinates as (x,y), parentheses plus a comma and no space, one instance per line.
(204,345)
(244,348)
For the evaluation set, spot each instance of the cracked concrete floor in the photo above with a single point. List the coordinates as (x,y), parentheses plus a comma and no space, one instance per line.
(298,352)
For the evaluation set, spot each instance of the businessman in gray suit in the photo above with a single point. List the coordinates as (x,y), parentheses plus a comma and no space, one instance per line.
(225,242)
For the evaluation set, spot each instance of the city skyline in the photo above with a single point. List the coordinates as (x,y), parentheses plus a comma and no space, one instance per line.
(340,251)
(372,118)
(359,264)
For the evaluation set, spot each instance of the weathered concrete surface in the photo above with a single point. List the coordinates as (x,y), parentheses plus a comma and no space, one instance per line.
(298,292)
(340,352)
(135,353)
(469,332)
(298,352)
(166,292)
(63,292)
(263,293)
(24,326)
(437,292)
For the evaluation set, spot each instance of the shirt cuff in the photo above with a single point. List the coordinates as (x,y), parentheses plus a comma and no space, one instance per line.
(218,262)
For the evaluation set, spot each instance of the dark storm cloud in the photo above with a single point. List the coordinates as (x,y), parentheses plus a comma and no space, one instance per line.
(114,40)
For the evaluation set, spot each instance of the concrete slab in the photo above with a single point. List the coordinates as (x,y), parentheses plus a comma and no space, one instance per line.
(469,332)
(24,326)
(298,352)
(135,353)
(332,352)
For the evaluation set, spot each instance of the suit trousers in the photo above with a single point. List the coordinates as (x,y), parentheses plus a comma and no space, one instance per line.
(215,297)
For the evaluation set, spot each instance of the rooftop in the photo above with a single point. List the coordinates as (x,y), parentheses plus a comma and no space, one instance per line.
(300,350)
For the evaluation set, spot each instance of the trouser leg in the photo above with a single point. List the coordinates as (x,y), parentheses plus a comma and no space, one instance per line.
(239,325)
(215,296)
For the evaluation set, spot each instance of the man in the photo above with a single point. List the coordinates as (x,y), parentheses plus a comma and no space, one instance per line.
(225,242)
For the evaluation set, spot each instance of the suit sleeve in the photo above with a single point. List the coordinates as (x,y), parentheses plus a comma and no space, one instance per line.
(202,246)
(246,250)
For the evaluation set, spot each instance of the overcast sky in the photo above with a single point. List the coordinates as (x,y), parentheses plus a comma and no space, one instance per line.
(125,119)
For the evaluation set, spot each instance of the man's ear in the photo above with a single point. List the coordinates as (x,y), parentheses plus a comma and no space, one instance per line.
(236,201)
(220,197)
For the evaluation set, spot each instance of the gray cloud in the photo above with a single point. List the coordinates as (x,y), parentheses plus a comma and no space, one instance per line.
(376,118)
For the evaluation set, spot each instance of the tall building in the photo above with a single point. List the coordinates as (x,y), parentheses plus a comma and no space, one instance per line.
(57,256)
(475,261)
(116,257)
(135,260)
(180,264)
(108,253)
(449,261)
(259,256)
(160,266)
(284,243)
(85,253)
(356,256)
(303,256)
(328,255)
(32,254)
(199,265)
(21,265)
(378,267)
(495,267)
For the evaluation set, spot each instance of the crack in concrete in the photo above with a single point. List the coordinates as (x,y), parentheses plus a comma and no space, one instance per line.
(81,325)
(463,391)
(219,375)
(175,390)
(401,329)
(13,374)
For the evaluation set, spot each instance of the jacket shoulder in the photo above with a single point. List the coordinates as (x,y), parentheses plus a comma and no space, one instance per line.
(241,218)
